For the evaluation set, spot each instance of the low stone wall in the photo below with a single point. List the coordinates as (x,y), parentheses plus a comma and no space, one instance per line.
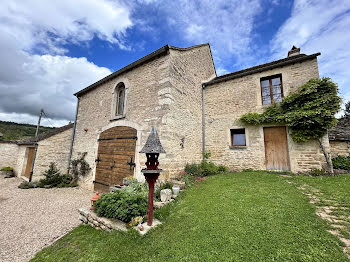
(90,217)
(339,148)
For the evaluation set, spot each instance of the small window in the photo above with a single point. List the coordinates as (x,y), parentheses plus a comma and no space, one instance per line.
(271,89)
(120,99)
(238,137)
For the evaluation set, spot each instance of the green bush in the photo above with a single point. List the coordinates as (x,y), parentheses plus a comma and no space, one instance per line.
(136,187)
(53,178)
(205,168)
(341,162)
(7,169)
(317,172)
(27,185)
(122,205)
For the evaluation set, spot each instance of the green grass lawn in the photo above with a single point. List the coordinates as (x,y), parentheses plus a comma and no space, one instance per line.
(331,191)
(247,216)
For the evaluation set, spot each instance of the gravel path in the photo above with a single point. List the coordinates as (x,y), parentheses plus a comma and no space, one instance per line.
(31,219)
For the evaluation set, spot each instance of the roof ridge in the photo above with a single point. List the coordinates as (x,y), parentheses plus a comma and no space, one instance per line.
(160,51)
(261,67)
(47,134)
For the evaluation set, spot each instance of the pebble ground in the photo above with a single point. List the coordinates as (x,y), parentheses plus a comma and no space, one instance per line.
(31,219)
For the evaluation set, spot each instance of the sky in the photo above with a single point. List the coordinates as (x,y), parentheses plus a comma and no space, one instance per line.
(52,49)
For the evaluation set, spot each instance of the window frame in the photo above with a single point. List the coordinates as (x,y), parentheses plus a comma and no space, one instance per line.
(232,135)
(270,88)
(117,91)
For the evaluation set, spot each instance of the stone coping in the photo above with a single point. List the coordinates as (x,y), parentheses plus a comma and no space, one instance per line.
(89,217)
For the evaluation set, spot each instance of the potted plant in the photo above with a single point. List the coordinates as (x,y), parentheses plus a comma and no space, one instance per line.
(7,172)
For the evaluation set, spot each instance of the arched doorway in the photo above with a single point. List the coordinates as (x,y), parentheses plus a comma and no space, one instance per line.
(115,157)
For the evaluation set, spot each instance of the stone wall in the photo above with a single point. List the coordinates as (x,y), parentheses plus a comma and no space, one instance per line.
(8,154)
(150,99)
(86,216)
(188,70)
(52,149)
(21,157)
(147,103)
(226,102)
(340,148)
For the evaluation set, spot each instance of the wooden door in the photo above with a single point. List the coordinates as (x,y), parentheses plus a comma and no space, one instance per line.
(116,157)
(30,158)
(276,148)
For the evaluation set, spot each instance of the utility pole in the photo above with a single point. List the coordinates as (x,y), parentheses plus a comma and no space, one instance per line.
(36,145)
(37,127)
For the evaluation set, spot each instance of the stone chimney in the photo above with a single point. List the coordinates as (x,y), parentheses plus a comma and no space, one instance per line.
(294,51)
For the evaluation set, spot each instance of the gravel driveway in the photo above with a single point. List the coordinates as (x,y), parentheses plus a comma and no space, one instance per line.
(31,219)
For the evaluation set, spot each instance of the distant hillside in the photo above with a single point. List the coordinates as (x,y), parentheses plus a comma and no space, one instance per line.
(15,131)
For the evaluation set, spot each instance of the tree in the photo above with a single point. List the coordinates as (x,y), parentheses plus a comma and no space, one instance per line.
(347,109)
(52,171)
(309,112)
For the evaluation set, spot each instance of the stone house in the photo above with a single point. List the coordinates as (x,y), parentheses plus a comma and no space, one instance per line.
(177,91)
(52,146)
(339,137)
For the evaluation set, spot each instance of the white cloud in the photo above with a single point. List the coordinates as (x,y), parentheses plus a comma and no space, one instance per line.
(319,25)
(29,81)
(53,23)
(226,25)
(221,71)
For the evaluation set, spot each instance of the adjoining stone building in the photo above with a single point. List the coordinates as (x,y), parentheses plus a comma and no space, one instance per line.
(177,91)
(52,146)
(339,137)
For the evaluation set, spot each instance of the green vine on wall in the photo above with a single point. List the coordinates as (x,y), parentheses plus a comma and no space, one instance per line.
(79,167)
(308,113)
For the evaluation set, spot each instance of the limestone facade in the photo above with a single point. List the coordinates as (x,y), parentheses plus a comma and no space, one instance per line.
(52,146)
(226,102)
(340,148)
(7,152)
(164,92)
(53,149)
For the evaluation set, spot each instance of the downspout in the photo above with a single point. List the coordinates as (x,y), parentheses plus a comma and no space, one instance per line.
(36,146)
(203,120)
(73,136)
(33,162)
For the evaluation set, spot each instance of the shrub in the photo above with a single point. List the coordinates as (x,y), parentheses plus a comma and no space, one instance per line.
(341,162)
(136,187)
(53,178)
(121,205)
(7,169)
(134,222)
(27,185)
(317,172)
(192,169)
(205,168)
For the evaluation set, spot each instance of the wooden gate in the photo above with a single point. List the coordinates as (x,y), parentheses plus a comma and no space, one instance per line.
(276,148)
(116,157)
(30,158)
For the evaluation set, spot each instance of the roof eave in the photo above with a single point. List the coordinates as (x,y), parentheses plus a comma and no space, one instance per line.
(138,62)
(258,70)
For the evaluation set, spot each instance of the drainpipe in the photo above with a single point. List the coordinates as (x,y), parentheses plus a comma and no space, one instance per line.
(203,120)
(73,136)
(36,146)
